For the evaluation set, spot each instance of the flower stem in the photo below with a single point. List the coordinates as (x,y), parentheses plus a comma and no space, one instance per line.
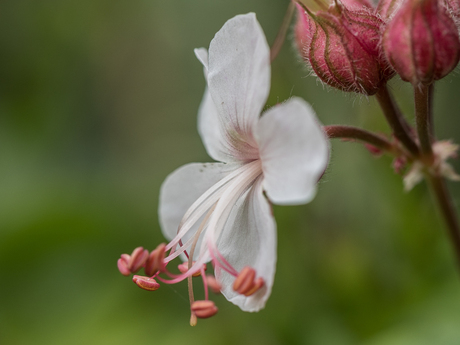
(430,110)
(279,40)
(396,121)
(446,206)
(349,132)
(424,118)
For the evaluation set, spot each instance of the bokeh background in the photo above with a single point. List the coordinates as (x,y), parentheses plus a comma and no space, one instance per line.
(98,104)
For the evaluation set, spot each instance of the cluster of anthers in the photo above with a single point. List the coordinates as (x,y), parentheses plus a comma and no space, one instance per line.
(155,263)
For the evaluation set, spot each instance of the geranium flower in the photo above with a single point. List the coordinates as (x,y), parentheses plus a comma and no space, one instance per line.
(218,211)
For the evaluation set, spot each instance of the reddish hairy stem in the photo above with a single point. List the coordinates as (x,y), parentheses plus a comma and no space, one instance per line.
(349,132)
(396,120)
(448,211)
(430,110)
(423,119)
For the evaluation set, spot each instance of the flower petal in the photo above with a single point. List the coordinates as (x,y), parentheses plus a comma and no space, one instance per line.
(239,81)
(294,152)
(202,55)
(182,188)
(249,239)
(209,126)
(212,132)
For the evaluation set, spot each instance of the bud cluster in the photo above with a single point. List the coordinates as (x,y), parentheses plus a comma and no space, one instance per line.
(355,47)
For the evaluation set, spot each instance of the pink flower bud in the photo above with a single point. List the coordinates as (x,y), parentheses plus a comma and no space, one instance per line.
(357,4)
(422,42)
(146,283)
(342,47)
(454,8)
(386,8)
(138,258)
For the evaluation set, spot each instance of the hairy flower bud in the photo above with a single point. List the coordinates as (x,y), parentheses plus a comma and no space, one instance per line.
(357,4)
(422,42)
(454,8)
(342,47)
(386,8)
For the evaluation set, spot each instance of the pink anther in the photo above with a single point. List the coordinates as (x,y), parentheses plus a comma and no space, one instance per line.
(155,261)
(204,309)
(137,259)
(146,283)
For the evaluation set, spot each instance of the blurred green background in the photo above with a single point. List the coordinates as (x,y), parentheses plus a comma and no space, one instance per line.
(98,104)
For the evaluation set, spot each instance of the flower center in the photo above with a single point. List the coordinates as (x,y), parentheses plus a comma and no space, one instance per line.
(211,211)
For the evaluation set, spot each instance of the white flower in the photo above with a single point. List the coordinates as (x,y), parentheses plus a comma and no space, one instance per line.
(217,211)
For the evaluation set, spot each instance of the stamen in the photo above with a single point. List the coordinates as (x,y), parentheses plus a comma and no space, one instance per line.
(219,260)
(244,281)
(210,197)
(205,285)
(183,268)
(182,249)
(226,199)
(200,206)
(258,284)
(246,284)
(192,241)
(178,278)
(192,252)
(155,261)
(223,209)
(212,282)
(204,309)
(123,266)
(193,320)
(181,245)
(146,283)
(137,259)
(217,204)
